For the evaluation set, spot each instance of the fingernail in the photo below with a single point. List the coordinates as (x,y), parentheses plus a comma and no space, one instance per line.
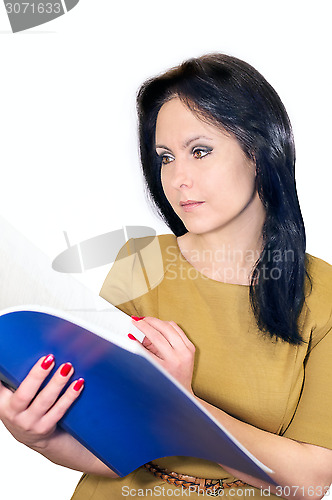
(78,384)
(47,362)
(138,318)
(131,336)
(65,369)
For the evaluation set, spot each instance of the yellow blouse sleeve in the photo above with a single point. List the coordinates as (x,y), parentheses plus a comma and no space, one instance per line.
(312,421)
(137,269)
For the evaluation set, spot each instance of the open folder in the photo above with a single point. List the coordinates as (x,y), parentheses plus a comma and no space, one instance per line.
(131,410)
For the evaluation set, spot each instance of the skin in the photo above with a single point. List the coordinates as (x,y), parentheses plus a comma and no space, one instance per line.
(232,214)
(33,421)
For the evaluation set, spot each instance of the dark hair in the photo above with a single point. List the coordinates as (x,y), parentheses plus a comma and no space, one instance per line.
(230,93)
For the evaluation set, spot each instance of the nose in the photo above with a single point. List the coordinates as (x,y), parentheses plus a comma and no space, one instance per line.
(182,174)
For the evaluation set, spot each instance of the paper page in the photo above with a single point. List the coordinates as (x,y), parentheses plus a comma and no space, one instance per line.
(27,277)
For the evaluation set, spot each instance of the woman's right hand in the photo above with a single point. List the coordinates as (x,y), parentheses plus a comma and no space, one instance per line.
(32,419)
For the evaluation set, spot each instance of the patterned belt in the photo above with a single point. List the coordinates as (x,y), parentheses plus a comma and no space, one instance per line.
(213,486)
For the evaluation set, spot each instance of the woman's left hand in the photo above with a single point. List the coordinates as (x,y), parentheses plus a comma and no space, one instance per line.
(170,347)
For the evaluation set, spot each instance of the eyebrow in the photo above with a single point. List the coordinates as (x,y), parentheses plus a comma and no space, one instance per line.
(186,143)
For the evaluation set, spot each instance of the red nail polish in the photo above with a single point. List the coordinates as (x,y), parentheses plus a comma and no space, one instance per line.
(131,336)
(78,384)
(65,369)
(138,318)
(47,362)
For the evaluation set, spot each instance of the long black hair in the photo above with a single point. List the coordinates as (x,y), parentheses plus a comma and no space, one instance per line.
(231,94)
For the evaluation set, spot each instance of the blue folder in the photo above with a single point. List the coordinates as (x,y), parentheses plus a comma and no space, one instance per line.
(130,411)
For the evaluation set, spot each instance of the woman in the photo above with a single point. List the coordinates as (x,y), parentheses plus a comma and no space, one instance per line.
(239,313)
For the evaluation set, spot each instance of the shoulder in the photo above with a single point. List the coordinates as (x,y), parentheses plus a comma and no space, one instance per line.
(160,242)
(318,266)
(150,249)
(319,296)
(138,268)
(320,273)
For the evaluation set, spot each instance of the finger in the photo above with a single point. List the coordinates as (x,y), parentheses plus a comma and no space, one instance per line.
(63,404)
(168,331)
(154,341)
(149,346)
(164,338)
(184,337)
(50,393)
(27,390)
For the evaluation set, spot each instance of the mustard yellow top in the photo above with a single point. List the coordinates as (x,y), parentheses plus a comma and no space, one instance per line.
(275,386)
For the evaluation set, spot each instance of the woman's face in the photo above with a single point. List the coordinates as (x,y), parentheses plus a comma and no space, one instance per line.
(206,177)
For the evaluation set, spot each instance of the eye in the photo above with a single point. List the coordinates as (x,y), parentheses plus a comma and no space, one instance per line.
(166,159)
(200,153)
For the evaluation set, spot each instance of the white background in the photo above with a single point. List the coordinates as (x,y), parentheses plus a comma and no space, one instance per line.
(69,156)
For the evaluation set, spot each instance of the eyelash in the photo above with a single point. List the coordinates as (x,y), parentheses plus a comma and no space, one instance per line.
(207,151)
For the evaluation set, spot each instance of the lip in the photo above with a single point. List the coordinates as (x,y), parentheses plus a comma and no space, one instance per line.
(190,205)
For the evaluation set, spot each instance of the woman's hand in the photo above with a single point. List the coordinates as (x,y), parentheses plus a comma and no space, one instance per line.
(170,347)
(32,419)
